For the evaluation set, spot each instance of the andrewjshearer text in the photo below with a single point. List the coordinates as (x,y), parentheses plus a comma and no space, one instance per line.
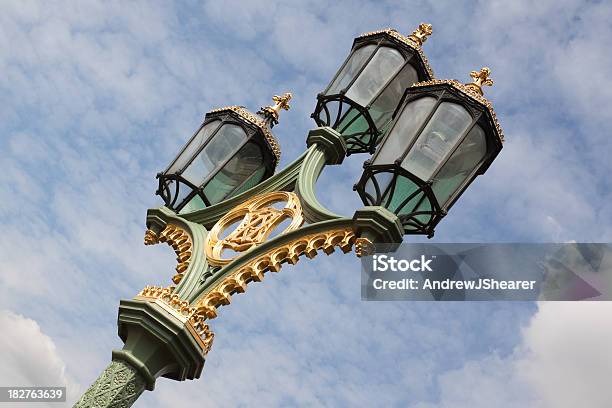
(476,284)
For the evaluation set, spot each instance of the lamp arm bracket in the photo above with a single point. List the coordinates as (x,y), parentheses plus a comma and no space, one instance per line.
(325,147)
(270,256)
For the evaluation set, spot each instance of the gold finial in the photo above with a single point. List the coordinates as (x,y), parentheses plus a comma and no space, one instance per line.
(280,102)
(481,78)
(419,36)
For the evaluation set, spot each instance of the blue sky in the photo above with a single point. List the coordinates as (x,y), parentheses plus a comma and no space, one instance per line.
(99,96)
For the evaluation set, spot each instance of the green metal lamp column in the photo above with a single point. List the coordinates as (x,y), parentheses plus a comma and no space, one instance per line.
(118,386)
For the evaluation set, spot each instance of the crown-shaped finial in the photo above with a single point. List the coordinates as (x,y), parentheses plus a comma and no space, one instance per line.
(280,102)
(419,36)
(481,78)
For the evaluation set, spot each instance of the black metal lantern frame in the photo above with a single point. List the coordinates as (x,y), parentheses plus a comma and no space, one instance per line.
(420,219)
(420,210)
(340,112)
(177,191)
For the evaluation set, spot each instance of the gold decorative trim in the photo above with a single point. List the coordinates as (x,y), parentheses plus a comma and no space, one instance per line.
(181,310)
(470,92)
(419,36)
(272,261)
(481,78)
(408,40)
(179,240)
(150,237)
(280,102)
(259,219)
(363,247)
(257,121)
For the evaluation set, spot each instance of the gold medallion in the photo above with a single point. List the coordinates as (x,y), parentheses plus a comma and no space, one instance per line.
(257,218)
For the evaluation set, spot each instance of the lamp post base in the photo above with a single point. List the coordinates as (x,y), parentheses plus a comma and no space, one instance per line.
(158,342)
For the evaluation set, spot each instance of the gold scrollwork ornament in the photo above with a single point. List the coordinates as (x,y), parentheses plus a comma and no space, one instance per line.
(259,219)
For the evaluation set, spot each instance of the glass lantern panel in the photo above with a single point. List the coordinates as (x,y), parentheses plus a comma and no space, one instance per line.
(401,190)
(183,192)
(226,141)
(253,180)
(352,66)
(193,146)
(355,128)
(460,165)
(196,203)
(401,196)
(377,185)
(239,169)
(403,204)
(404,130)
(438,138)
(352,122)
(383,65)
(385,104)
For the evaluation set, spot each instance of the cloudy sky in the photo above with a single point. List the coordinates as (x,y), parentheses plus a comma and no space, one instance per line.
(98,96)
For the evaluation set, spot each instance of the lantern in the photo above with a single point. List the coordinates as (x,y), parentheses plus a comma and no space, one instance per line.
(360,100)
(443,135)
(232,151)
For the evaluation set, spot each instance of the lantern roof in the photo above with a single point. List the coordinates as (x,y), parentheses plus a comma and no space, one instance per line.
(265,119)
(413,41)
(473,90)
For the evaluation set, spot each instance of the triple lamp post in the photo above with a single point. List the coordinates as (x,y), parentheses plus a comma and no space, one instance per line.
(231,219)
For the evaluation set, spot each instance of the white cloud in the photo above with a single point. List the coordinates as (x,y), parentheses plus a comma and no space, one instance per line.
(567,355)
(563,361)
(29,357)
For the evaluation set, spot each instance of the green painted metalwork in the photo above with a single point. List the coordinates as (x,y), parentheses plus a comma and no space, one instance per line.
(330,141)
(158,343)
(378,225)
(313,165)
(117,387)
(326,147)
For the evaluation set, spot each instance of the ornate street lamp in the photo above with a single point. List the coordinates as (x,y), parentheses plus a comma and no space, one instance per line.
(230,220)
(232,151)
(443,135)
(359,101)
